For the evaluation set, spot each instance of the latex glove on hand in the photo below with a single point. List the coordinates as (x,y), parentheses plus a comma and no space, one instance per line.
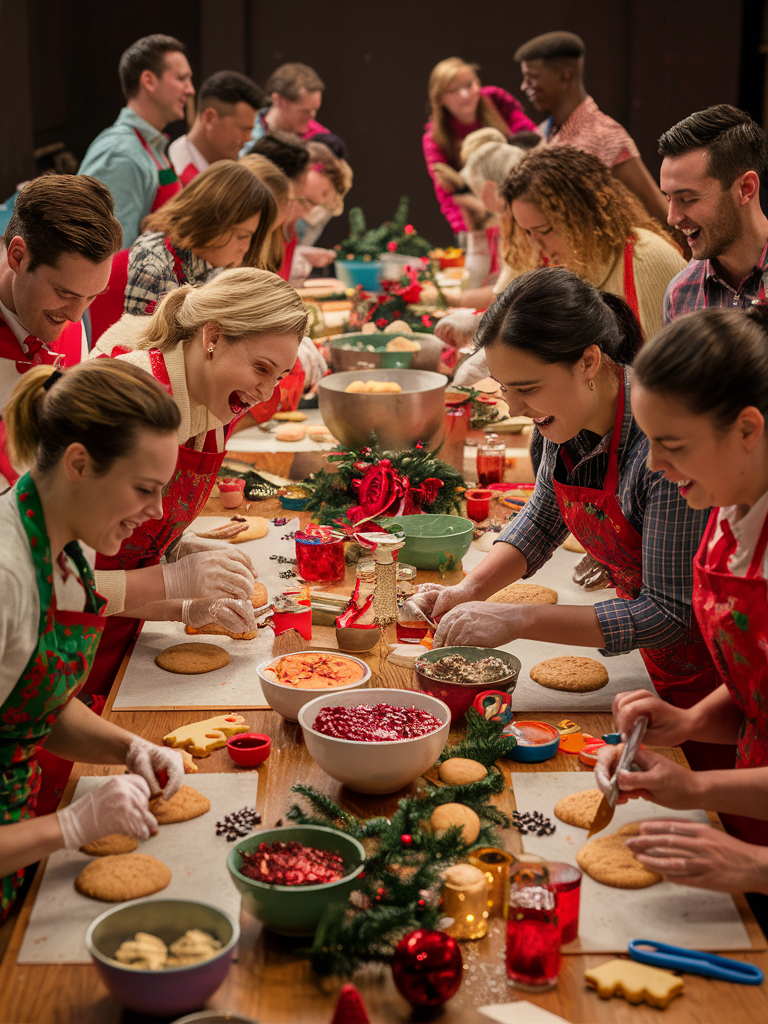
(210,574)
(312,363)
(235,616)
(695,854)
(668,726)
(457,328)
(160,767)
(190,544)
(476,624)
(120,805)
(659,779)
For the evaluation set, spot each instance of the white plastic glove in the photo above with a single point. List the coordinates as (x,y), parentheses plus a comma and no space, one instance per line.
(312,363)
(236,616)
(120,805)
(148,760)
(209,574)
(190,544)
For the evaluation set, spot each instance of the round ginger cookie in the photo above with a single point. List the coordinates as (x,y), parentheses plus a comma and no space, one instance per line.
(609,861)
(524,593)
(109,846)
(459,771)
(260,595)
(575,675)
(258,527)
(192,659)
(446,815)
(126,876)
(579,809)
(185,804)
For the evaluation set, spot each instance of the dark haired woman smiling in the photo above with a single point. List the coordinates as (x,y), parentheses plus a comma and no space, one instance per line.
(560,350)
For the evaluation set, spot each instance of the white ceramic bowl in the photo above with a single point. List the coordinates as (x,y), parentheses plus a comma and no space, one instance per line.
(375,767)
(289,700)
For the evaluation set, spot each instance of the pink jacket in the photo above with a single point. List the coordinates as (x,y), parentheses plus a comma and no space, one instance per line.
(512,113)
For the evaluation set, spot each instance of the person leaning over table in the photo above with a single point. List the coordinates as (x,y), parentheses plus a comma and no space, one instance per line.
(561,351)
(101,441)
(218,349)
(701,396)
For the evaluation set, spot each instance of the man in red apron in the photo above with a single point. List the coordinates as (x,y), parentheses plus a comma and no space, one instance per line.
(50,271)
(130,156)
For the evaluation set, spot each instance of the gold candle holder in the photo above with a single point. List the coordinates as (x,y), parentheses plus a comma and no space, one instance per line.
(465,899)
(495,865)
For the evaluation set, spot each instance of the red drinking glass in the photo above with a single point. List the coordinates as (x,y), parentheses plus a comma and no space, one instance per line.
(411,632)
(320,558)
(565,880)
(533,938)
(491,454)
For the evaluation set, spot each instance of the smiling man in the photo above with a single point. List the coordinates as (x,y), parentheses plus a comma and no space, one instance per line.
(130,156)
(710,174)
(55,258)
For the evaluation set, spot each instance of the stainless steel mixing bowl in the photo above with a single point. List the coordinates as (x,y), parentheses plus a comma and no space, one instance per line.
(397,420)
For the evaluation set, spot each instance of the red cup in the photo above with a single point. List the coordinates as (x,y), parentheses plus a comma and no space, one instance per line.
(478,504)
(565,880)
(231,492)
(249,748)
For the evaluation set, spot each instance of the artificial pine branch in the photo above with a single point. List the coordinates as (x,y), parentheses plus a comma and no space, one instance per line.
(483,743)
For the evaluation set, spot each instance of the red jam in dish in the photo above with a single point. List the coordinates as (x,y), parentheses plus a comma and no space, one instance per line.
(291,864)
(375,723)
(536,732)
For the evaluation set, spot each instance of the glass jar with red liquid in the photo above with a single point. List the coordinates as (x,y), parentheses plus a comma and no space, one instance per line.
(565,881)
(491,454)
(457,414)
(320,555)
(533,937)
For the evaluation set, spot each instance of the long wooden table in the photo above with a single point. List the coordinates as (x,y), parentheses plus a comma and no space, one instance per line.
(270,983)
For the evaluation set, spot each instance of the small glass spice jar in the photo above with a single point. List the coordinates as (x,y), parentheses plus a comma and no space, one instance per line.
(320,555)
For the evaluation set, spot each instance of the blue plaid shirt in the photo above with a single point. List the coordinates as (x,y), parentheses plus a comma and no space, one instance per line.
(661,614)
(699,286)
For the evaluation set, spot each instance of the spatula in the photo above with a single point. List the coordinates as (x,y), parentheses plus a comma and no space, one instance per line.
(608,803)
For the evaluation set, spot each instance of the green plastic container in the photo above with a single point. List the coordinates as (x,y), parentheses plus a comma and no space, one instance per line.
(431,540)
(296,909)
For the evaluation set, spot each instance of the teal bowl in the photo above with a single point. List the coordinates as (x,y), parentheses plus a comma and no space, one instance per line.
(431,540)
(296,909)
(367,351)
(359,272)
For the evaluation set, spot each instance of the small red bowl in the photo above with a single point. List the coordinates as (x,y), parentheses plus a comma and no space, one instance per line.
(249,748)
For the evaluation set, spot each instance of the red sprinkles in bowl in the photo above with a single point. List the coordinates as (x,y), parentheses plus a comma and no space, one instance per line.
(291,864)
(375,723)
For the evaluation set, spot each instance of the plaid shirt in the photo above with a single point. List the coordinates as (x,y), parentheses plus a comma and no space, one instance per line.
(698,286)
(151,272)
(661,614)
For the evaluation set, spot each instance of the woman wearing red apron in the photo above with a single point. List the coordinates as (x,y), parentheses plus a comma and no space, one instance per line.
(52,615)
(702,398)
(560,350)
(218,350)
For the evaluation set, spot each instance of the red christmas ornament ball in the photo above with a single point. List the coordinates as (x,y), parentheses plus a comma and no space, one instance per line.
(406,839)
(427,967)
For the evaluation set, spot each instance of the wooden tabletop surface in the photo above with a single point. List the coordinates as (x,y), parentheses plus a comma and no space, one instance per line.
(270,983)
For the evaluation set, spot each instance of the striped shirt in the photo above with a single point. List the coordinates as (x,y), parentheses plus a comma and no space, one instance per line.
(661,614)
(699,286)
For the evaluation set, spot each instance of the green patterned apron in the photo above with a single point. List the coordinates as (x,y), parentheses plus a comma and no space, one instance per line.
(57,669)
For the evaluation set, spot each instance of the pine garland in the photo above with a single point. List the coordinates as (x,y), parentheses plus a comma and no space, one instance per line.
(396,236)
(400,887)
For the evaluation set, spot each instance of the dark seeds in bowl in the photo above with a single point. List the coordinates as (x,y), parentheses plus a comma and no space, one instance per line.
(455,668)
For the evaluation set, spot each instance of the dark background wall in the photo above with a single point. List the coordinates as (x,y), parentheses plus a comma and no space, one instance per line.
(649,63)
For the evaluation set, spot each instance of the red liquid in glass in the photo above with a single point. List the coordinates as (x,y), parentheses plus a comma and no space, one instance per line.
(490,468)
(320,563)
(411,632)
(568,908)
(533,947)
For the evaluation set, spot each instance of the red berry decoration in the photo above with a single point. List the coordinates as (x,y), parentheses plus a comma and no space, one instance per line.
(350,1008)
(405,839)
(427,967)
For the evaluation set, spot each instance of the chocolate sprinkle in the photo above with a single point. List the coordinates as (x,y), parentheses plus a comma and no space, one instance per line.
(238,824)
(533,823)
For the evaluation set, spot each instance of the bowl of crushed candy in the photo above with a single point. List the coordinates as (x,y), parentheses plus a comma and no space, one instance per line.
(470,671)
(296,909)
(142,979)
(288,697)
(371,765)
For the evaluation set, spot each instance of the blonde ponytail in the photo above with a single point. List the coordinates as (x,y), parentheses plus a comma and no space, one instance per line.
(243,302)
(21,415)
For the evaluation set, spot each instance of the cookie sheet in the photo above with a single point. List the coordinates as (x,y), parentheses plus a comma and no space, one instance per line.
(625,671)
(609,917)
(237,685)
(196,856)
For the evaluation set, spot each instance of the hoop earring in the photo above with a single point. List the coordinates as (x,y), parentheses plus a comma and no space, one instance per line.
(591,382)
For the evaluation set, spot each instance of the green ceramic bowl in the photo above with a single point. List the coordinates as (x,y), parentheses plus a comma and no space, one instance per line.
(431,540)
(296,909)
(352,351)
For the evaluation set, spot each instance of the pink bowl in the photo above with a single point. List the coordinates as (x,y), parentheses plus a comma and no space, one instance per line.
(249,748)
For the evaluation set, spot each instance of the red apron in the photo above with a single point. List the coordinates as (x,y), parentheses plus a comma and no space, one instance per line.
(630,292)
(683,673)
(16,359)
(168,183)
(183,500)
(732,612)
(188,174)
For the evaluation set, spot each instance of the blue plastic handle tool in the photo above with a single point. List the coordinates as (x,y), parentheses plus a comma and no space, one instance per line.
(691,961)
(614,738)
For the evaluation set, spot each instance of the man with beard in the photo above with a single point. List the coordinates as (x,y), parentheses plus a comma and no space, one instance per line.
(713,163)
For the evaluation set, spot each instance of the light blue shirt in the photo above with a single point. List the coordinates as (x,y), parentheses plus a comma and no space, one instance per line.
(117,158)
(260,129)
